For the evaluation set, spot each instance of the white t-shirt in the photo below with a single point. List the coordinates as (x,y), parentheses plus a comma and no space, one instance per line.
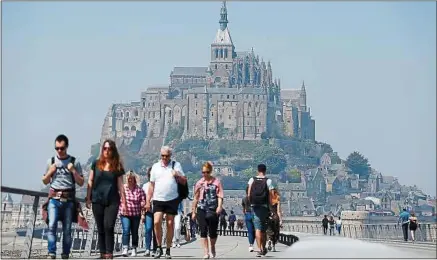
(166,188)
(146,188)
(338,222)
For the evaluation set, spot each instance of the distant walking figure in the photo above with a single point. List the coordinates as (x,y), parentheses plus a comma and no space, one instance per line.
(331,223)
(404,217)
(325,224)
(338,225)
(413,226)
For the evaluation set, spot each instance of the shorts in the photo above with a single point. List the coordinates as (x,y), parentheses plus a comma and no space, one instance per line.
(168,207)
(260,217)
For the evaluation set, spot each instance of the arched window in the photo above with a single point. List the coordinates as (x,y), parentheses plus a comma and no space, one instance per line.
(216,53)
(127,113)
(136,113)
(221,53)
(215,66)
(133,128)
(226,53)
(126,128)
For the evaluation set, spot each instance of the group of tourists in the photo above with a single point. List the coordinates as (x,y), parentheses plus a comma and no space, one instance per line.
(113,193)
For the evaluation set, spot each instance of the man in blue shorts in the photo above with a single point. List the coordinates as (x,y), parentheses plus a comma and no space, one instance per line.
(260,194)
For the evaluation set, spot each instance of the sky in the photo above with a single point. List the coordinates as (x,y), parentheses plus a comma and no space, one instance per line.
(369,70)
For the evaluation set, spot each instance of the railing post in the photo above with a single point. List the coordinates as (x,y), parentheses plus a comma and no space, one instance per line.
(26,253)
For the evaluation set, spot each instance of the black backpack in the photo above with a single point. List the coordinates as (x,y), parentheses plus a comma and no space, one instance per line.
(259,193)
(182,188)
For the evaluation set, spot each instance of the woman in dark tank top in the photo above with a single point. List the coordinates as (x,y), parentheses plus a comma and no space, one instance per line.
(105,188)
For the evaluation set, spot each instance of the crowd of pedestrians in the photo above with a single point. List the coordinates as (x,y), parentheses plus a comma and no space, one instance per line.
(112,192)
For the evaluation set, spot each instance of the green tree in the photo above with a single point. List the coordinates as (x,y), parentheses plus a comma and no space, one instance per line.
(247,173)
(294,176)
(273,157)
(358,164)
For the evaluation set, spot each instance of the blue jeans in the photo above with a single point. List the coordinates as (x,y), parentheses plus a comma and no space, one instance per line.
(150,233)
(250,227)
(60,211)
(130,225)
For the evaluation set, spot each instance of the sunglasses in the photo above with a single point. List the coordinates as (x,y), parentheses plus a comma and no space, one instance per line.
(165,155)
(61,148)
(206,172)
(107,148)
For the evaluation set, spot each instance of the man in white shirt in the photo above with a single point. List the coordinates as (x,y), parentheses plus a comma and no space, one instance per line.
(163,191)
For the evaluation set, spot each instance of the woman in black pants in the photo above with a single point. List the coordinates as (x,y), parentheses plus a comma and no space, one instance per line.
(207,205)
(105,188)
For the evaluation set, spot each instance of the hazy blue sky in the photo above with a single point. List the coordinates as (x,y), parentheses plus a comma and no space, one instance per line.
(370,71)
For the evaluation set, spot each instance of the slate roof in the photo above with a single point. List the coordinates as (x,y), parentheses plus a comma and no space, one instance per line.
(189,71)
(223,37)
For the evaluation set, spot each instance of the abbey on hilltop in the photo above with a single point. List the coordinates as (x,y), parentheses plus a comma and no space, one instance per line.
(234,97)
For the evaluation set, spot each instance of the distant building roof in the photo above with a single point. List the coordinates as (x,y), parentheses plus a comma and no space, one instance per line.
(190,71)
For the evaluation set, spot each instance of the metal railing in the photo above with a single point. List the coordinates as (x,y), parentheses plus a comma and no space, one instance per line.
(425,233)
(24,233)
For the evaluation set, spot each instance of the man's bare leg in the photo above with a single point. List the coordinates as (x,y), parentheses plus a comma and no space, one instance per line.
(170,230)
(157,226)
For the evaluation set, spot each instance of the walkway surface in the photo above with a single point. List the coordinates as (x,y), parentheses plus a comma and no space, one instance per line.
(319,246)
(227,247)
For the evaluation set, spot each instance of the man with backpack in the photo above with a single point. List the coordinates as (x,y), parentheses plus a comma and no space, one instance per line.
(63,172)
(168,187)
(260,194)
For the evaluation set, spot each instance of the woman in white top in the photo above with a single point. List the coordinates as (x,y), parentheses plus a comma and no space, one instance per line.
(338,225)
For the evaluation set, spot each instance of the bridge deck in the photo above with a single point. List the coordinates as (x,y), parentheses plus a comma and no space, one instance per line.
(228,247)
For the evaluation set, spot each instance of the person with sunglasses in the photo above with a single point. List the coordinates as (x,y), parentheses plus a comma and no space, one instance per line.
(106,193)
(63,172)
(207,206)
(163,190)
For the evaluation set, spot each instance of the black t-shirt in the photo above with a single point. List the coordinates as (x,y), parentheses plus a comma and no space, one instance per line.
(105,189)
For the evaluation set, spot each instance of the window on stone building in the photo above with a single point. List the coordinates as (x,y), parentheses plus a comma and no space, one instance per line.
(212,113)
(221,96)
(226,66)
(233,96)
(195,96)
(136,113)
(215,66)
(196,112)
(247,96)
(226,55)
(127,114)
(227,96)
(229,116)
(248,113)
(216,54)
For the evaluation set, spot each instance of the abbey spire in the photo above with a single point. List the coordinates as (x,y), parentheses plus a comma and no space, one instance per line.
(222,48)
(223,17)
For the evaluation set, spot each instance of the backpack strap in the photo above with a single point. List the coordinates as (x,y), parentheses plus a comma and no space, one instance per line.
(53,160)
(172,164)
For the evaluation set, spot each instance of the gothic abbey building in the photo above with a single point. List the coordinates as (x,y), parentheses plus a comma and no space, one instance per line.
(235,97)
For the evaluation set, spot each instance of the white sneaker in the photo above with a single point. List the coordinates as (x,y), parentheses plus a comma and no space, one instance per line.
(178,245)
(250,248)
(134,252)
(174,245)
(147,253)
(125,249)
(274,248)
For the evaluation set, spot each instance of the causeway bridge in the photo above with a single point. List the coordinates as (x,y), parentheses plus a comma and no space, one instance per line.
(357,239)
